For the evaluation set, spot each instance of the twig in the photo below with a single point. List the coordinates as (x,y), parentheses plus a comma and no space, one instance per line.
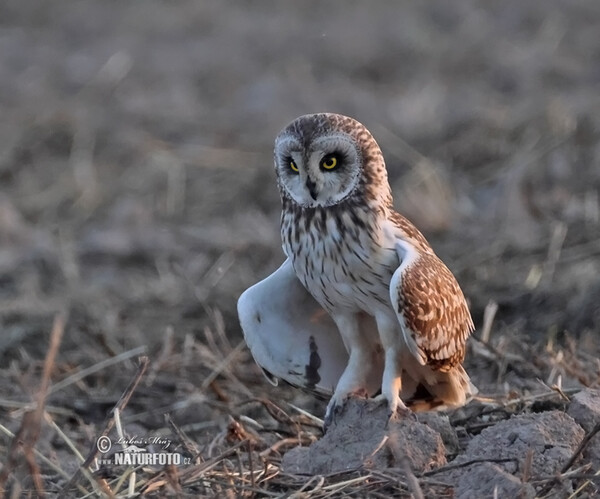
(318,422)
(488,319)
(556,243)
(121,435)
(110,421)
(450,467)
(43,458)
(584,485)
(339,486)
(31,424)
(379,447)
(64,437)
(224,364)
(252,422)
(217,318)
(126,474)
(282,443)
(276,412)
(188,445)
(527,466)
(316,478)
(251,464)
(569,463)
(411,479)
(556,388)
(508,356)
(576,474)
(581,447)
(227,486)
(196,473)
(165,354)
(74,378)
(498,403)
(14,404)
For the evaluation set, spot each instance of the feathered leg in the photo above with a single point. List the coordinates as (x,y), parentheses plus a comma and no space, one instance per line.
(391,385)
(354,377)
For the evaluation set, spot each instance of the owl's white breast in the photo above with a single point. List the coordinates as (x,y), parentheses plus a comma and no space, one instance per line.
(342,259)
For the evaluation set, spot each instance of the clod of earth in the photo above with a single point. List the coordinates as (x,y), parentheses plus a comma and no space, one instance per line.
(552,436)
(585,409)
(355,441)
(487,479)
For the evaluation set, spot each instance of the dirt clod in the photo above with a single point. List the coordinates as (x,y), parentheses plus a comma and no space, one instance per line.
(552,436)
(585,408)
(489,480)
(359,438)
(441,423)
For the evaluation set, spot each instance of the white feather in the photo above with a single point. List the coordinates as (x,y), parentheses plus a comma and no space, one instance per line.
(280,320)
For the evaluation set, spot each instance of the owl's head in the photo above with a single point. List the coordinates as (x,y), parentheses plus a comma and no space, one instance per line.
(324,159)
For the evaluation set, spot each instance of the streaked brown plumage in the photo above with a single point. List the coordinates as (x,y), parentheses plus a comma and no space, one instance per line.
(355,254)
(434,307)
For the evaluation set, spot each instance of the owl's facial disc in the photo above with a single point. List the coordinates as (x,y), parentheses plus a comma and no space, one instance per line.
(322,173)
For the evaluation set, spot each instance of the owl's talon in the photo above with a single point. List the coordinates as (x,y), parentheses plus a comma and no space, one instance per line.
(390,414)
(396,408)
(380,399)
(336,405)
(402,413)
(327,422)
(333,411)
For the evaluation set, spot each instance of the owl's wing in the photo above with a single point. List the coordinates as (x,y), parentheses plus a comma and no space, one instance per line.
(293,338)
(430,307)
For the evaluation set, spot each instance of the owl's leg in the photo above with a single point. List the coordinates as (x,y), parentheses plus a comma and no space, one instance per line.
(354,378)
(391,384)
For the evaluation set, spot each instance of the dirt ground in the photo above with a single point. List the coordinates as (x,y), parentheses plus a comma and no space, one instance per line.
(138,201)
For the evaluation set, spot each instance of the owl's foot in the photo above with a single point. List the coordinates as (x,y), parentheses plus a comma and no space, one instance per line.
(333,411)
(336,404)
(396,408)
(402,413)
(391,386)
(352,382)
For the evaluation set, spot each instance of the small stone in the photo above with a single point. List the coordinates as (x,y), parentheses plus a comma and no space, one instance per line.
(585,408)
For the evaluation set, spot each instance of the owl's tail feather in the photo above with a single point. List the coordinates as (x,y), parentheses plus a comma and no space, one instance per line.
(447,390)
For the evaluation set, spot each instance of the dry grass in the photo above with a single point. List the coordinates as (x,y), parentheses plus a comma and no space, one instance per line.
(243,458)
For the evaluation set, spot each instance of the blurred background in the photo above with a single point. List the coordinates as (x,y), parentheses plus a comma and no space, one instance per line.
(137,191)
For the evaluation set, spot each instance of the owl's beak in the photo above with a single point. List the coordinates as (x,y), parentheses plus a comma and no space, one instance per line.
(312,188)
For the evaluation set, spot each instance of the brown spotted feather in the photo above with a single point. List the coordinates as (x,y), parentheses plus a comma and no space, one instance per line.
(435,310)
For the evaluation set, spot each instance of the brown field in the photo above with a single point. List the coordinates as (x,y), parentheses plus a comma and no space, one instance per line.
(138,201)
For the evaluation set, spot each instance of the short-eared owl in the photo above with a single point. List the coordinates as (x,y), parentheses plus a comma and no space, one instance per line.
(362,304)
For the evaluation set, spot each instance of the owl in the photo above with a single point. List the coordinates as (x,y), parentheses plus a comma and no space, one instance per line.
(362,306)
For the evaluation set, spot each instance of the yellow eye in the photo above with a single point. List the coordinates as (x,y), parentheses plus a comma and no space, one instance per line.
(293,165)
(329,162)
